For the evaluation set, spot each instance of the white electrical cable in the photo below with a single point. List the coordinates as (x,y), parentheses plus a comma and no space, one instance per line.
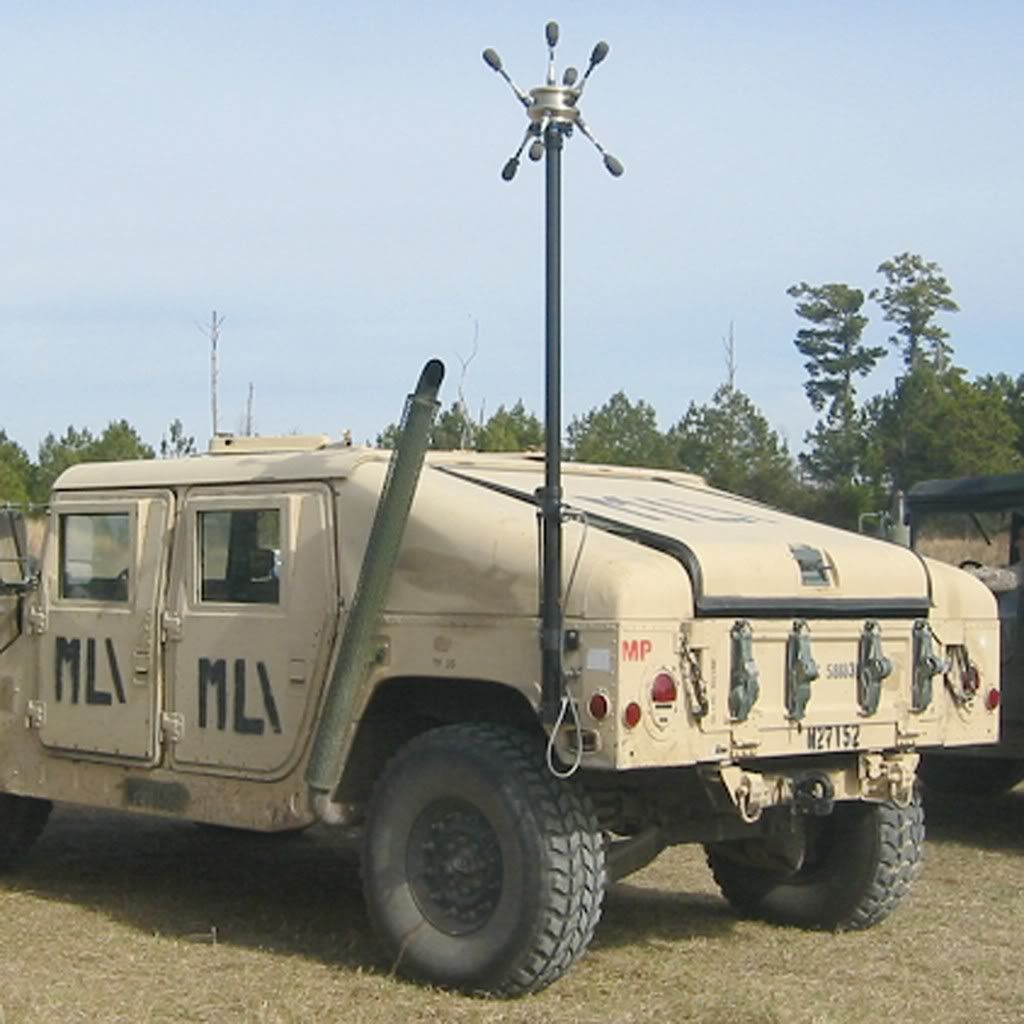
(568,704)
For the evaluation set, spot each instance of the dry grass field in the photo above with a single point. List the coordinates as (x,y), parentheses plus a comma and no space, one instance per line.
(136,920)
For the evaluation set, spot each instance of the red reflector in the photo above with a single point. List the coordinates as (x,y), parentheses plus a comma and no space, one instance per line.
(598,706)
(992,700)
(631,716)
(663,689)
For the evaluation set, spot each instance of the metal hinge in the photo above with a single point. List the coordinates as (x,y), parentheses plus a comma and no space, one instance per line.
(172,725)
(35,714)
(171,624)
(927,663)
(743,673)
(37,621)
(872,667)
(801,670)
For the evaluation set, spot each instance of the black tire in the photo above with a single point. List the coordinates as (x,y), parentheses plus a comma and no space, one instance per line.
(969,776)
(22,819)
(860,862)
(481,870)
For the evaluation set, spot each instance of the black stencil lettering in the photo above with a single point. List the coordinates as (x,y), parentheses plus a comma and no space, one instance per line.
(244,726)
(213,673)
(69,653)
(268,697)
(115,672)
(92,695)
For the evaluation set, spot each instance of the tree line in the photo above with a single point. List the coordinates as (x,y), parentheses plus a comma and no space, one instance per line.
(932,421)
(27,482)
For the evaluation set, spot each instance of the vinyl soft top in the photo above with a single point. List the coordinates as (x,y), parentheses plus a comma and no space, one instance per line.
(968,492)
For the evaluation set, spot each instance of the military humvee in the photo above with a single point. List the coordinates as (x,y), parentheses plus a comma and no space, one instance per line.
(978,523)
(199,643)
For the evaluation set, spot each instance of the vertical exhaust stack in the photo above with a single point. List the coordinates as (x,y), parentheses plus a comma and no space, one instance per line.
(355,658)
(553,112)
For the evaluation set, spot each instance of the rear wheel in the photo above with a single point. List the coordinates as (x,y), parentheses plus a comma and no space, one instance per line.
(22,818)
(482,871)
(856,864)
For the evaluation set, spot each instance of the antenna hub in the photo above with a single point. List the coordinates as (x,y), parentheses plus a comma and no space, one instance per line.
(554,102)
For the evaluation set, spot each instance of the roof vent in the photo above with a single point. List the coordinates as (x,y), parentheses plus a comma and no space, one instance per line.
(813,567)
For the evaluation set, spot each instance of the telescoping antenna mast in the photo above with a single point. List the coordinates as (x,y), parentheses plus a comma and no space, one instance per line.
(553,113)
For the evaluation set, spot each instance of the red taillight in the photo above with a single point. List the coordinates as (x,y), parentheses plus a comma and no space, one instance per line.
(663,689)
(598,706)
(631,714)
(992,699)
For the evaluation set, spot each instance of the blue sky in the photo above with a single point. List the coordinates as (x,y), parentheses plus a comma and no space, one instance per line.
(326,175)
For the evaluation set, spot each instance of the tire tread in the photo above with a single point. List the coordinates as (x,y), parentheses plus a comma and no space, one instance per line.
(897,857)
(571,837)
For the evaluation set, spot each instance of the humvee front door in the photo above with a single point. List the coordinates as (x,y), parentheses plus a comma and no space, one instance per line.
(96,619)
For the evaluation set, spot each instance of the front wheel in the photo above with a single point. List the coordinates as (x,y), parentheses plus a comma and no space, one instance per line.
(857,864)
(481,870)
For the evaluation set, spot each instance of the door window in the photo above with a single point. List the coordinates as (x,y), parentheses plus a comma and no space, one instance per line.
(95,556)
(240,556)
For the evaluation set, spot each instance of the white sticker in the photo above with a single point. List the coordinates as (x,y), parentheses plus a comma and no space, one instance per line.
(599,659)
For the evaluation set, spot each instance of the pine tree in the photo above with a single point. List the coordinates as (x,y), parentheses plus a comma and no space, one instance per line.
(915,292)
(835,356)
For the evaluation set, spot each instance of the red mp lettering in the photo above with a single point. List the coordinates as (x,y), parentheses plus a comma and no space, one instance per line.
(636,650)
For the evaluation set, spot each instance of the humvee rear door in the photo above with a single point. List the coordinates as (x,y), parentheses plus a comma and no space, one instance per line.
(251,609)
(97,644)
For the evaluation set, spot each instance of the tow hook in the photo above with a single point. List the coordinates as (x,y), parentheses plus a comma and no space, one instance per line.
(814,794)
(750,792)
(889,777)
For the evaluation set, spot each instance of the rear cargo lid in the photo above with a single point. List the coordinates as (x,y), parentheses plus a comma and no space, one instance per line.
(744,559)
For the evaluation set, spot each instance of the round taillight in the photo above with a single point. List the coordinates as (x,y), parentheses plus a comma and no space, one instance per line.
(631,714)
(970,679)
(663,689)
(992,699)
(598,706)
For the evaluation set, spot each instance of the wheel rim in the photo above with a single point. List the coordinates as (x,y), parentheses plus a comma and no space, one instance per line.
(454,867)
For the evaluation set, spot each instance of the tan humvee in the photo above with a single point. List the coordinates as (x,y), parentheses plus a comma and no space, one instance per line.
(734,676)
